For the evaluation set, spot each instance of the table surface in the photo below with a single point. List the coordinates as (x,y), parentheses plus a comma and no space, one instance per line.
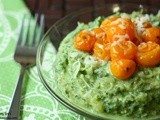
(36,102)
(56,9)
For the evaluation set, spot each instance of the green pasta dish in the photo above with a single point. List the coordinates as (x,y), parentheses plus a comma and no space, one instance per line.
(95,77)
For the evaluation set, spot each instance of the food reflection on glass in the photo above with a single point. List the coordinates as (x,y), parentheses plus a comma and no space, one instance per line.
(110,66)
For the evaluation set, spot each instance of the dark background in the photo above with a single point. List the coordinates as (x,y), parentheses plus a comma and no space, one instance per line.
(56,9)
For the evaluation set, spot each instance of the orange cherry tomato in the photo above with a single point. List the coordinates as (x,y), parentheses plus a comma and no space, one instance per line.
(122,28)
(100,34)
(101,51)
(123,68)
(140,25)
(123,49)
(151,34)
(148,54)
(107,22)
(84,41)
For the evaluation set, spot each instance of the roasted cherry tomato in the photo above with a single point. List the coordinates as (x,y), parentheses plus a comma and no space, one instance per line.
(121,28)
(101,51)
(84,41)
(107,22)
(141,24)
(122,68)
(148,54)
(151,34)
(100,34)
(123,49)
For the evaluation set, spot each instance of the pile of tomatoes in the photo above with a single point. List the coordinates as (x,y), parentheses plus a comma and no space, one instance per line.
(118,40)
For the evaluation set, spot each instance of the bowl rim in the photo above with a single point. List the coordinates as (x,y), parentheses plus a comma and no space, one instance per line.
(55,95)
(44,41)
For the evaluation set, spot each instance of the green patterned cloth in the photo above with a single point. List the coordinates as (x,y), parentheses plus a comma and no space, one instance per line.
(36,102)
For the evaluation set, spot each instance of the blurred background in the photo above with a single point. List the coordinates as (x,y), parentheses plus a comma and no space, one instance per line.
(56,9)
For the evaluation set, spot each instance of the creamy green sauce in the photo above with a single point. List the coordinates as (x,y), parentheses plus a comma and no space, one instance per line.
(89,82)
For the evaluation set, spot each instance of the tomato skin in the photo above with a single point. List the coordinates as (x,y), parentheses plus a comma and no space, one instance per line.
(121,28)
(102,51)
(115,33)
(100,34)
(148,54)
(107,22)
(84,41)
(141,25)
(151,34)
(122,68)
(123,49)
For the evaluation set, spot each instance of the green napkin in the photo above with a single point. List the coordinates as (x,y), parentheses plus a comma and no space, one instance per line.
(36,102)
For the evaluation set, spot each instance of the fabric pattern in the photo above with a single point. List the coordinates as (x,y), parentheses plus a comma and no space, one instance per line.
(36,102)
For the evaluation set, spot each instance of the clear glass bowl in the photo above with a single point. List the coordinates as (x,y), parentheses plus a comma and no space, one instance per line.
(51,40)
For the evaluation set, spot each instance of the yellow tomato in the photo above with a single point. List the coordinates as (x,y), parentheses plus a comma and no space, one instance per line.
(107,22)
(84,41)
(123,68)
(148,54)
(123,49)
(99,33)
(101,51)
(151,34)
(121,28)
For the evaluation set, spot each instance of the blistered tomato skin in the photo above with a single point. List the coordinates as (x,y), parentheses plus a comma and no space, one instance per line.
(123,49)
(102,51)
(84,41)
(148,54)
(100,34)
(151,34)
(107,22)
(122,68)
(121,29)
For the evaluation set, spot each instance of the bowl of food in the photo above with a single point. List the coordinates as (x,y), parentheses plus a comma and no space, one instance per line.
(103,62)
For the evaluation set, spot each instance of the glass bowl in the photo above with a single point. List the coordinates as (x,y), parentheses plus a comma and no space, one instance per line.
(49,45)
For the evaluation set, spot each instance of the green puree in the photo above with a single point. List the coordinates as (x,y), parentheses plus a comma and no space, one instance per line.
(89,82)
